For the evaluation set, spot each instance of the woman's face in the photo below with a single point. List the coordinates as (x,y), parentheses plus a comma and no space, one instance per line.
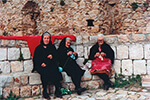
(68,43)
(46,39)
(100,41)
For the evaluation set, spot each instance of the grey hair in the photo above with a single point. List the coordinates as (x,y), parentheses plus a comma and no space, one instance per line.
(101,35)
(67,38)
(46,33)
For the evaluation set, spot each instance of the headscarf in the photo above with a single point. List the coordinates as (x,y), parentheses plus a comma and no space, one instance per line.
(42,42)
(63,42)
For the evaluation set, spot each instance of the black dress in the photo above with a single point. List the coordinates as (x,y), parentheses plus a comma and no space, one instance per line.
(68,64)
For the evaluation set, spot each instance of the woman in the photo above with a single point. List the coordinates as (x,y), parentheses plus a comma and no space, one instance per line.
(102,57)
(66,58)
(44,61)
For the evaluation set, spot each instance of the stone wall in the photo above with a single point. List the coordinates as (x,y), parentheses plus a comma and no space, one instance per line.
(132,56)
(78,17)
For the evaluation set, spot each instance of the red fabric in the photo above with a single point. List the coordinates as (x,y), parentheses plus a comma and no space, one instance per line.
(101,66)
(34,41)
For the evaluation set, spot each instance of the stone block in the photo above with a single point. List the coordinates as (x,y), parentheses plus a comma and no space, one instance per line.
(28,65)
(15,90)
(6,80)
(86,53)
(148,67)
(147,51)
(138,37)
(115,51)
(5,67)
(13,53)
(25,91)
(139,67)
(93,84)
(8,43)
(79,40)
(80,51)
(1,91)
(136,51)
(80,61)
(21,79)
(16,66)
(6,91)
(26,53)
(93,39)
(3,53)
(34,79)
(123,38)
(122,52)
(127,67)
(87,76)
(110,39)
(35,90)
(117,65)
(66,78)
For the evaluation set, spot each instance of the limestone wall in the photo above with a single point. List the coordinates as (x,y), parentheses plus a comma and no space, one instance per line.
(132,56)
(78,17)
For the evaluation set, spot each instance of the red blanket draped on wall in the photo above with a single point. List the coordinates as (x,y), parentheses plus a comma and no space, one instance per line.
(34,41)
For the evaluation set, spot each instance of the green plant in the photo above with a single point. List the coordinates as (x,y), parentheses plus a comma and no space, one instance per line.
(20,57)
(62,2)
(5,33)
(131,81)
(134,6)
(10,97)
(52,9)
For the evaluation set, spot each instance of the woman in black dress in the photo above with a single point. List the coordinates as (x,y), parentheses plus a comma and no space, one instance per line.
(44,61)
(67,60)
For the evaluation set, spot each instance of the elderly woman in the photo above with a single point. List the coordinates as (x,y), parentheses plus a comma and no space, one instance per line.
(44,61)
(102,56)
(66,58)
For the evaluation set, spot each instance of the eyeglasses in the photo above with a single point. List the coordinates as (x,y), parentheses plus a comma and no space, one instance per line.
(100,40)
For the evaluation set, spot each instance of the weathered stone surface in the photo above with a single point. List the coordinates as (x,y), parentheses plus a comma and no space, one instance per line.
(3,53)
(34,79)
(93,84)
(25,91)
(127,67)
(80,61)
(66,78)
(148,67)
(122,52)
(139,67)
(117,66)
(26,53)
(6,80)
(79,40)
(138,37)
(5,67)
(86,53)
(93,39)
(87,76)
(123,38)
(1,91)
(13,53)
(21,79)
(15,90)
(147,51)
(80,51)
(28,65)
(16,66)
(136,51)
(6,92)
(35,90)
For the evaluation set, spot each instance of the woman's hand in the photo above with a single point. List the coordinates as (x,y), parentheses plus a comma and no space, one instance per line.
(43,65)
(69,53)
(75,53)
(97,54)
(50,56)
(103,54)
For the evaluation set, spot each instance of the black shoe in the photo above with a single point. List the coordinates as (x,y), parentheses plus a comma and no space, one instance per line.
(111,84)
(80,90)
(58,94)
(45,95)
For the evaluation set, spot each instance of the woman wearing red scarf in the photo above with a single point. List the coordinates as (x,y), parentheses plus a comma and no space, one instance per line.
(102,56)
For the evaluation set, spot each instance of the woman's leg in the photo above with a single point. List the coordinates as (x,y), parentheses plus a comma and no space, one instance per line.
(57,89)
(44,84)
